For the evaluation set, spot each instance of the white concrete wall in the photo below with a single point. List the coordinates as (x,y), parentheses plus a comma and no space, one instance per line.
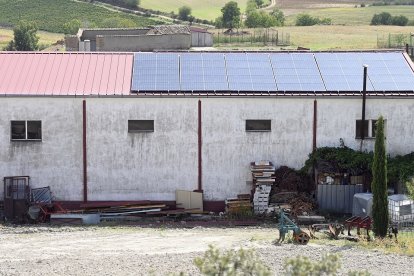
(336,119)
(228,149)
(56,161)
(136,166)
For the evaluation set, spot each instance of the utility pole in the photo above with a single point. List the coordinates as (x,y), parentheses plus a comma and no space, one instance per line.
(364,98)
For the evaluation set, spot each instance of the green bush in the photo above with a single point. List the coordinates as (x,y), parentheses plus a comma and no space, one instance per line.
(385,18)
(231,263)
(328,265)
(307,20)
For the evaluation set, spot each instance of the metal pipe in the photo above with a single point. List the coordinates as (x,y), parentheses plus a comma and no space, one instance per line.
(315,125)
(315,121)
(200,141)
(364,98)
(85,167)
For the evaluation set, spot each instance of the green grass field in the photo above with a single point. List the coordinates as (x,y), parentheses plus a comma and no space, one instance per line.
(51,15)
(204,9)
(354,16)
(327,37)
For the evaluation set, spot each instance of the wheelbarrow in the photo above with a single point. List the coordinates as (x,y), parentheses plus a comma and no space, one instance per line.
(286,225)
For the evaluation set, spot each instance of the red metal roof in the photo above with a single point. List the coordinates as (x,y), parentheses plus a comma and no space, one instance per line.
(37,73)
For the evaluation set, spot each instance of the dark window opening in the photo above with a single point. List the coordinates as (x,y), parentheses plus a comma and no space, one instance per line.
(258,125)
(358,130)
(374,127)
(26,130)
(18,130)
(140,126)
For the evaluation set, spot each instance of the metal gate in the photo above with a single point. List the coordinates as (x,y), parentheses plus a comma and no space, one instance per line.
(16,195)
(337,198)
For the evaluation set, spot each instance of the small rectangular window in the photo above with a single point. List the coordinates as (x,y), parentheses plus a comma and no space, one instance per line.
(26,130)
(358,130)
(140,126)
(370,128)
(258,125)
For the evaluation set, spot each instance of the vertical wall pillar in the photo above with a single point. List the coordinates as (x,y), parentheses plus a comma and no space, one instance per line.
(315,124)
(85,160)
(200,141)
(314,143)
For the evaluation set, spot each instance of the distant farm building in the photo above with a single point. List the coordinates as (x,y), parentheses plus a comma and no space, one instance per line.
(163,37)
(124,126)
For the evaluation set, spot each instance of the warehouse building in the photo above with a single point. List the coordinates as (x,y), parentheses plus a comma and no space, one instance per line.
(125,127)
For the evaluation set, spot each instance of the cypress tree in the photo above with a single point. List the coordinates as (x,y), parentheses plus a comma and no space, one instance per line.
(379,183)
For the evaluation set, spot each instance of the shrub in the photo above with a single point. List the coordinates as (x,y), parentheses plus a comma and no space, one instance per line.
(231,263)
(328,265)
(400,20)
(307,20)
(379,183)
(385,18)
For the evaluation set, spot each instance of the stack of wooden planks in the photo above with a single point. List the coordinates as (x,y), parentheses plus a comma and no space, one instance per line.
(263,174)
(238,205)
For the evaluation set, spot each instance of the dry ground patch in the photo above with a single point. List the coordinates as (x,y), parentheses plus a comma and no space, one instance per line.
(159,251)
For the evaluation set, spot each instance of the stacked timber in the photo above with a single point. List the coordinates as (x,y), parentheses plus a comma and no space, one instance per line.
(238,205)
(263,173)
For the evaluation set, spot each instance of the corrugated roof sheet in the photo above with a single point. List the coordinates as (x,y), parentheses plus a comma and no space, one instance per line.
(36,73)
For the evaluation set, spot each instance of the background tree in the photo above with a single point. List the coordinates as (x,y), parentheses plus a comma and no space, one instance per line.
(379,183)
(184,13)
(72,26)
(25,37)
(279,15)
(231,15)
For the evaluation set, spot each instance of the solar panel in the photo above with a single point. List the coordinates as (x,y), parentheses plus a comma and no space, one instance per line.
(192,77)
(238,72)
(168,73)
(144,72)
(296,72)
(262,72)
(214,69)
(386,71)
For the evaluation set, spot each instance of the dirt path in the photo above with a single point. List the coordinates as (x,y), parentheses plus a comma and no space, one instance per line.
(142,251)
(271,6)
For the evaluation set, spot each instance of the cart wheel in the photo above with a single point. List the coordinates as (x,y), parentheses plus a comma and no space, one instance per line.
(302,238)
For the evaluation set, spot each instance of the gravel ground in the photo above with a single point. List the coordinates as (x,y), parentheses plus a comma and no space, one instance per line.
(122,250)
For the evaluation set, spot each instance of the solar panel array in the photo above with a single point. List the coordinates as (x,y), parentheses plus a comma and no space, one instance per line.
(265,72)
